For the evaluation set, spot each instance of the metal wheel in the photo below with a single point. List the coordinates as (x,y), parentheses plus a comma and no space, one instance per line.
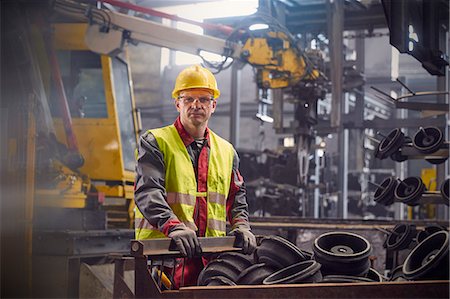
(385,192)
(429,259)
(428,231)
(255,274)
(303,272)
(410,190)
(397,274)
(390,144)
(401,236)
(428,140)
(344,278)
(279,252)
(219,281)
(342,253)
(218,267)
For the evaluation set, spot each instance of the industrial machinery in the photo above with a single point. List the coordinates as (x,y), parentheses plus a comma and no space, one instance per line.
(278,61)
(89,159)
(284,72)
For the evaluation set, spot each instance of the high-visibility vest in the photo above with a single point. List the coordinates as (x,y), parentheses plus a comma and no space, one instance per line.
(181,184)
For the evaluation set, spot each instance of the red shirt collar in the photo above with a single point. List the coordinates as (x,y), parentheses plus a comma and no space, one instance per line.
(185,137)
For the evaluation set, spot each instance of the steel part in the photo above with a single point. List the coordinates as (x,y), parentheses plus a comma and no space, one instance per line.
(423,93)
(218,267)
(390,144)
(405,86)
(241,261)
(401,237)
(279,252)
(388,96)
(376,185)
(385,193)
(160,247)
(374,275)
(307,254)
(428,140)
(398,157)
(444,189)
(342,253)
(255,274)
(422,106)
(413,153)
(303,272)
(235,105)
(219,281)
(428,231)
(429,260)
(396,274)
(410,190)
(437,161)
(267,258)
(434,197)
(344,278)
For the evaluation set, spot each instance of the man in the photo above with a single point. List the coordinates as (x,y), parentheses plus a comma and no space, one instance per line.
(187,178)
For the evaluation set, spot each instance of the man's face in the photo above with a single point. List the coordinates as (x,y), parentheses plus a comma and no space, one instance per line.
(195,106)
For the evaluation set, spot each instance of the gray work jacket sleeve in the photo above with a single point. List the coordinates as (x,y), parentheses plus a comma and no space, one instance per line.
(150,192)
(238,195)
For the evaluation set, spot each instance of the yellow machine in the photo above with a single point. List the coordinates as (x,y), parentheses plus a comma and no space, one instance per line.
(278,62)
(104,122)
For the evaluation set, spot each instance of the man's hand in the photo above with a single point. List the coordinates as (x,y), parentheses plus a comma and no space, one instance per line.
(245,237)
(186,241)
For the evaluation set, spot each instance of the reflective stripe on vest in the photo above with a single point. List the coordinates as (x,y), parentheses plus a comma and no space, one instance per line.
(181,185)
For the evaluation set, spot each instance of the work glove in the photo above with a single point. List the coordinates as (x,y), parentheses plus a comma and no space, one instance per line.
(244,238)
(186,241)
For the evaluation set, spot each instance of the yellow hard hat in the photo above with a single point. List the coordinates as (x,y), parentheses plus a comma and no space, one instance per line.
(195,76)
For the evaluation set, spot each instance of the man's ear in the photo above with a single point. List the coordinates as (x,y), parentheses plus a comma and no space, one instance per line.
(177,104)
(213,107)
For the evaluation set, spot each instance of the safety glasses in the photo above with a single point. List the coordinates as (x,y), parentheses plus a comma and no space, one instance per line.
(202,100)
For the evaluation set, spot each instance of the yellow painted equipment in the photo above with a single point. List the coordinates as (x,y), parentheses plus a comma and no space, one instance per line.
(277,61)
(101,103)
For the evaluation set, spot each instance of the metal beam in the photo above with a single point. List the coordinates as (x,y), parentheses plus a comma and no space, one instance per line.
(167,247)
(142,30)
(313,17)
(235,104)
(336,25)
